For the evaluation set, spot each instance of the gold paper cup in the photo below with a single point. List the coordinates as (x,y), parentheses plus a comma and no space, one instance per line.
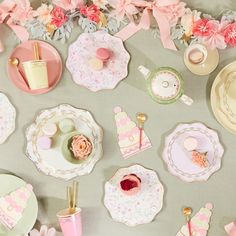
(36,74)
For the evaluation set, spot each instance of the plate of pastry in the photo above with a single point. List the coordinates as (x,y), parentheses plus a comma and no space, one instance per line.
(193,152)
(64,142)
(134,195)
(18,206)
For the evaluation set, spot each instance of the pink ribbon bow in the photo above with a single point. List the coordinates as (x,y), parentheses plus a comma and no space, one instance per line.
(157,9)
(6,8)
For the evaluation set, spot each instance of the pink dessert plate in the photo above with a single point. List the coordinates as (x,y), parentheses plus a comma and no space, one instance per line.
(24,52)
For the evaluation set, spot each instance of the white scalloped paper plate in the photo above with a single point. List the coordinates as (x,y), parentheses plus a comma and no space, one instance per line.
(84,48)
(140,208)
(178,160)
(7,118)
(52,162)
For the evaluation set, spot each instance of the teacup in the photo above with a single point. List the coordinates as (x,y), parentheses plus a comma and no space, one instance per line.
(196,54)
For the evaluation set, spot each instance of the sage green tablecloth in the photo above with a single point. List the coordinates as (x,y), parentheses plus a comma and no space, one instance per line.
(130,94)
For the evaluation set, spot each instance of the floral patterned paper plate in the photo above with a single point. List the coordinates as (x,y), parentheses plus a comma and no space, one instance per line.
(178,159)
(137,209)
(51,161)
(84,48)
(7,118)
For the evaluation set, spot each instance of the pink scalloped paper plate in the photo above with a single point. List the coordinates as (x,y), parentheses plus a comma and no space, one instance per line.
(178,160)
(137,209)
(84,48)
(24,52)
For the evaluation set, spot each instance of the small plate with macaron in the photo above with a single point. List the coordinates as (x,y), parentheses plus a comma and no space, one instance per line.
(64,142)
(97,61)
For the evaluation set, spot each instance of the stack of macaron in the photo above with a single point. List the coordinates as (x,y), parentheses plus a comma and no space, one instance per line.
(49,130)
(103,55)
(198,158)
(130,184)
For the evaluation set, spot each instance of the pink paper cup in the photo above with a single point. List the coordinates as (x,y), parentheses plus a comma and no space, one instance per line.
(71,224)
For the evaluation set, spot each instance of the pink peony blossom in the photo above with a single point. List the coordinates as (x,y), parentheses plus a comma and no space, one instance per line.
(122,8)
(43,13)
(92,13)
(68,4)
(21,12)
(174,12)
(230,34)
(58,17)
(188,19)
(202,27)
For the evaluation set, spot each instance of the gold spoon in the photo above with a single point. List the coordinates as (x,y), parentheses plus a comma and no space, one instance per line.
(187,211)
(15,62)
(141,118)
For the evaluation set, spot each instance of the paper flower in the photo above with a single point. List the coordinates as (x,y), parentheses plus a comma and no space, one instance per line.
(81,147)
(188,20)
(174,12)
(210,32)
(202,27)
(58,17)
(122,8)
(230,34)
(43,13)
(68,4)
(22,12)
(92,12)
(100,3)
(44,231)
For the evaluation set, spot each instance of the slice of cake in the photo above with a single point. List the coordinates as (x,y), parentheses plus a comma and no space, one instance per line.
(13,205)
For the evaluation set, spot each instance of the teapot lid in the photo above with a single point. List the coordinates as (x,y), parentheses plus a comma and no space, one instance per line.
(166,84)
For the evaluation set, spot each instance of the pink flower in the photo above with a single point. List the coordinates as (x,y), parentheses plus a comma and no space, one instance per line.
(21,12)
(174,12)
(5,7)
(202,27)
(68,4)
(58,17)
(210,32)
(43,13)
(230,34)
(122,8)
(92,12)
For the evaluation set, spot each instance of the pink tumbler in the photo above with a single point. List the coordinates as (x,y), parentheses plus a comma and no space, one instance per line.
(71,224)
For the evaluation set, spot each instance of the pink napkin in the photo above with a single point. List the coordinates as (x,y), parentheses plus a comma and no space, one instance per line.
(231,228)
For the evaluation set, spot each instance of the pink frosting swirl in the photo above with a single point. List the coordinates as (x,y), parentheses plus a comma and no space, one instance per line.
(81,147)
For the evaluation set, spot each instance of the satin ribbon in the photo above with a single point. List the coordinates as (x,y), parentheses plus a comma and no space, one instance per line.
(152,9)
(5,8)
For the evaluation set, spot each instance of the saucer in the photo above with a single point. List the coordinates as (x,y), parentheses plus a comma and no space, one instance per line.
(24,52)
(205,68)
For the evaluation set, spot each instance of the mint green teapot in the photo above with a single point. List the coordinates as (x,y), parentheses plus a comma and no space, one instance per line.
(165,85)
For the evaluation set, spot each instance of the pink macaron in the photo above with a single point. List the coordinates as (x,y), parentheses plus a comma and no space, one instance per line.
(103,54)
(44,142)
